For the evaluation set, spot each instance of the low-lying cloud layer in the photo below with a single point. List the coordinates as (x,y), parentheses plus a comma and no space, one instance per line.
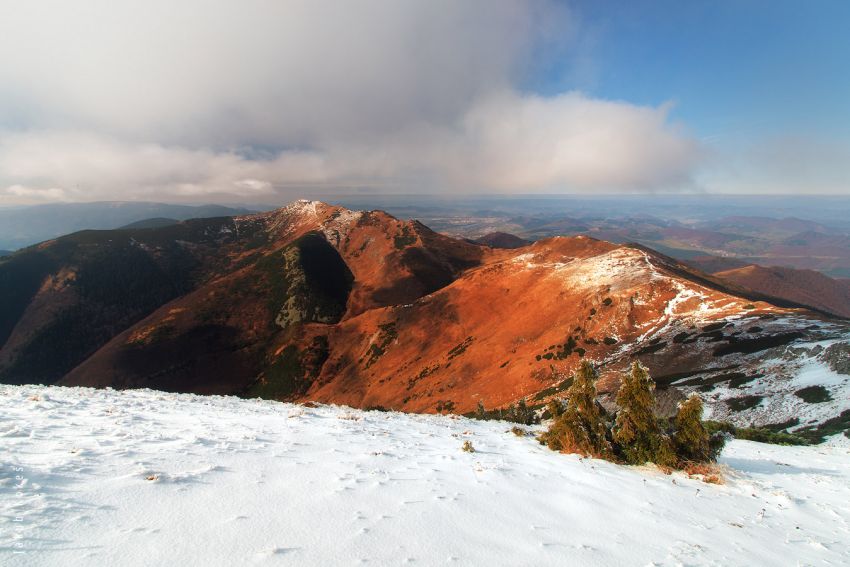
(212,99)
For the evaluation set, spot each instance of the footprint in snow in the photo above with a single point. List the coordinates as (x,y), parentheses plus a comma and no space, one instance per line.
(274,551)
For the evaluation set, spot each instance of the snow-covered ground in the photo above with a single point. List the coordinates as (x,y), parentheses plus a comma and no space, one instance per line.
(98,477)
(782,371)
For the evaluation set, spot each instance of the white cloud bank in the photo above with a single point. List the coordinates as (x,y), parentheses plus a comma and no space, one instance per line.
(156,99)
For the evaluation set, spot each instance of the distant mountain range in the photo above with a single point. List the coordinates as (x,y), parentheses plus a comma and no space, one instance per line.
(319,302)
(23,226)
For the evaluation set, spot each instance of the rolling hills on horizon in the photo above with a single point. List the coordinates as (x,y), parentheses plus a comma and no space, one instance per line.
(318,302)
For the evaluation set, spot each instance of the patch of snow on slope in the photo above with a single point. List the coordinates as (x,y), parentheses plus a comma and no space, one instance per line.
(675,316)
(303,207)
(684,295)
(788,370)
(619,268)
(527,259)
(337,228)
(99,477)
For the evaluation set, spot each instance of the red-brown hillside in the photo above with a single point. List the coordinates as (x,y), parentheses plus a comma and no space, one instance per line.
(514,326)
(807,287)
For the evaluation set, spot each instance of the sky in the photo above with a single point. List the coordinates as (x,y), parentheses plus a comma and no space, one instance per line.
(264,101)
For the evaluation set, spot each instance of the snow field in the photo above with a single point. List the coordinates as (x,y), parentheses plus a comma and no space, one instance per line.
(99,477)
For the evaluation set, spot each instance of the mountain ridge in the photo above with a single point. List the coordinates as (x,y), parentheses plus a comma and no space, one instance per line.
(315,301)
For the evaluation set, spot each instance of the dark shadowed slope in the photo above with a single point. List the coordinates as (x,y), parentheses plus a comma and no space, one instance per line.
(502,240)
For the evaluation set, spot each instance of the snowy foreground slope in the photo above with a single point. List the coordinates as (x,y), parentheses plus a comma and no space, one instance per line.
(149,478)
